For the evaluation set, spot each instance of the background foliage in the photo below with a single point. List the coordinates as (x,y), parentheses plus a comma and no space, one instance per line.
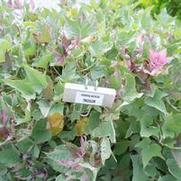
(43,138)
(173,6)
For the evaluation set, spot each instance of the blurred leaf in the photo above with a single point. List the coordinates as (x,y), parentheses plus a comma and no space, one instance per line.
(177,156)
(167,178)
(69,72)
(174,169)
(146,3)
(138,172)
(76,29)
(22,86)
(172,125)
(5,45)
(60,178)
(105,149)
(59,153)
(37,79)
(57,107)
(156,101)
(98,72)
(99,48)
(94,120)
(25,145)
(47,93)
(68,135)
(125,37)
(146,20)
(130,92)
(35,151)
(147,127)
(40,133)
(149,150)
(58,91)
(44,60)
(44,36)
(44,107)
(9,156)
(121,147)
(29,48)
(105,128)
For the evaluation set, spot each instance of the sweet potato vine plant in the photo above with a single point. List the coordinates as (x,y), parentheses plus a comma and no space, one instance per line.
(120,46)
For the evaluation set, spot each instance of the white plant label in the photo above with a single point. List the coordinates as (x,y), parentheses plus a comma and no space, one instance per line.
(78,93)
(89,98)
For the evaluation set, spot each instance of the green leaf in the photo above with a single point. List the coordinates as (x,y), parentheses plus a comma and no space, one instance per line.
(105,149)
(61,152)
(68,135)
(93,169)
(69,72)
(138,172)
(2,56)
(5,45)
(147,127)
(72,29)
(105,128)
(133,128)
(172,125)
(44,36)
(151,170)
(98,72)
(177,155)
(37,79)
(130,92)
(25,145)
(125,37)
(76,29)
(149,150)
(156,101)
(114,83)
(44,60)
(29,48)
(58,91)
(23,86)
(173,168)
(40,134)
(146,19)
(57,107)
(9,156)
(100,47)
(167,178)
(121,147)
(23,173)
(44,107)
(35,151)
(94,120)
(60,178)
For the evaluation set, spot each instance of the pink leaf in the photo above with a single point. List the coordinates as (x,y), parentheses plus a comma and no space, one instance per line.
(32,5)
(71,164)
(59,58)
(82,149)
(156,61)
(10,3)
(18,4)
(4,118)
